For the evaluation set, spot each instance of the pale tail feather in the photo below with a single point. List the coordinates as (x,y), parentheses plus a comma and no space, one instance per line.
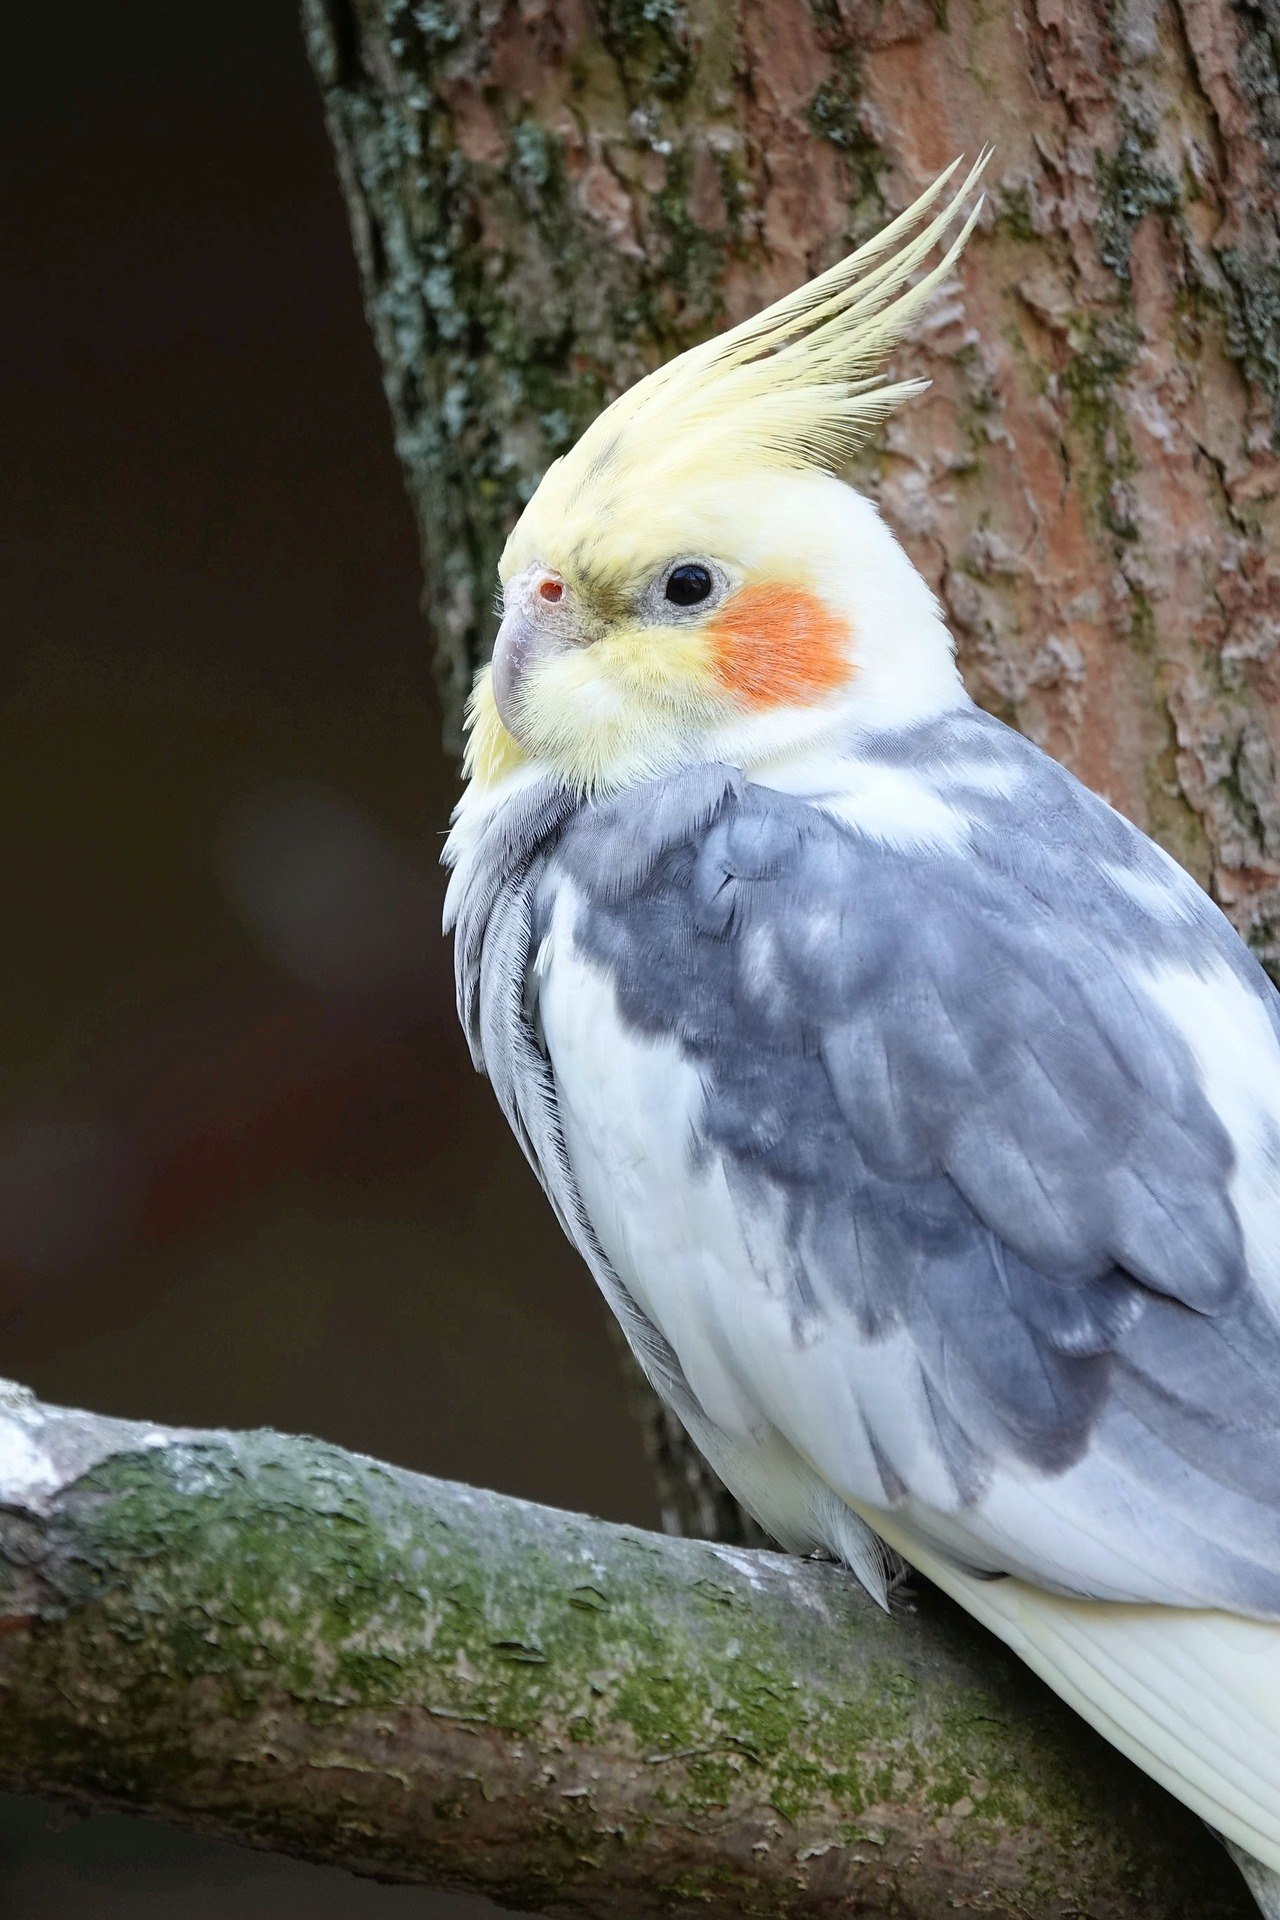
(1193,1698)
(1262,1883)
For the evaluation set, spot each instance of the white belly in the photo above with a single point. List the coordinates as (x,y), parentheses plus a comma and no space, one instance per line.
(629,1109)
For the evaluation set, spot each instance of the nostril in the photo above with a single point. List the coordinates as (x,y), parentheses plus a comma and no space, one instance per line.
(551,589)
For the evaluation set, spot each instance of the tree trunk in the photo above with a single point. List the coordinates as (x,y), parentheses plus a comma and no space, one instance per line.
(550,196)
(280,1643)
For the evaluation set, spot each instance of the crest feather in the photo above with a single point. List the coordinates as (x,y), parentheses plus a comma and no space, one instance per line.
(796,386)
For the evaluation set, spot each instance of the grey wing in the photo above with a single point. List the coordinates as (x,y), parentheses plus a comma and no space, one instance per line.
(1002,1121)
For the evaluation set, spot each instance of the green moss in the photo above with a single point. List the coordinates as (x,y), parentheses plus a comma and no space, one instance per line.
(1013,215)
(1258,67)
(1247,296)
(1103,348)
(976,408)
(1131,184)
(651,38)
(835,114)
(1250,304)
(292,1578)
(693,259)
(1171,818)
(274,1584)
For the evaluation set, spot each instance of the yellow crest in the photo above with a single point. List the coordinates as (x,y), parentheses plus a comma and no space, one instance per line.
(796,386)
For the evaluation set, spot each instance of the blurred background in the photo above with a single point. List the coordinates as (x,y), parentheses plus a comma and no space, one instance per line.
(246,1174)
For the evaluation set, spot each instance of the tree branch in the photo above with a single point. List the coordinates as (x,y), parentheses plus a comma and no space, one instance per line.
(287,1645)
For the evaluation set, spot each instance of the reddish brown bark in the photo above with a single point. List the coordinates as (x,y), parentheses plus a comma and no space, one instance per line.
(551,195)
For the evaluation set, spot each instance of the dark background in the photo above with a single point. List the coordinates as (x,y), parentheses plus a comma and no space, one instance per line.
(246,1174)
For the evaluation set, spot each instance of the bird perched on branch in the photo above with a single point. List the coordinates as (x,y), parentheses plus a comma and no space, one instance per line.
(918,1117)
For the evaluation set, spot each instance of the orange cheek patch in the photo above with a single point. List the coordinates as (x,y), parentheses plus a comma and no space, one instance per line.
(775,645)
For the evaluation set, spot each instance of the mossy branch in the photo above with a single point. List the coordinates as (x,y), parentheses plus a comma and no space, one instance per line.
(287,1645)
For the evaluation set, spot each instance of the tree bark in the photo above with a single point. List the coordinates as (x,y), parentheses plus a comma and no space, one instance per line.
(283,1644)
(550,196)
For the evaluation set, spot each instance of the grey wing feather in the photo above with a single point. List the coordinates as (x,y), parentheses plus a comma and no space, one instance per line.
(497,904)
(932,1078)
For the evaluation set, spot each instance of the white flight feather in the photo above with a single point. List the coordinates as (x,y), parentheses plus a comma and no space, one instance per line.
(1192,1697)
(1238,1054)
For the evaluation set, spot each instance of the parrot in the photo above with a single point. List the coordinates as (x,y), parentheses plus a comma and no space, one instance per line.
(917,1116)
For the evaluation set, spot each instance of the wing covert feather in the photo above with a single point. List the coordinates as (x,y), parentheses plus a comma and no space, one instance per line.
(949,1112)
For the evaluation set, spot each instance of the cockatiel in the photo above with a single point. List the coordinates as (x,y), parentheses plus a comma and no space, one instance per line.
(918,1117)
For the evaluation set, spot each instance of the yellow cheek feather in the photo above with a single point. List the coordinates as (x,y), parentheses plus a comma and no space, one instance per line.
(491,752)
(669,667)
(621,700)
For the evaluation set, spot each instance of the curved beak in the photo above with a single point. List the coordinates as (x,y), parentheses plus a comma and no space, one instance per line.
(538,621)
(518,643)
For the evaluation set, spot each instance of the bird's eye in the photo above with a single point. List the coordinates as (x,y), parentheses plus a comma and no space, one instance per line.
(689,584)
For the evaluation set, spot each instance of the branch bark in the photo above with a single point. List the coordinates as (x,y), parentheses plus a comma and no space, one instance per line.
(286,1645)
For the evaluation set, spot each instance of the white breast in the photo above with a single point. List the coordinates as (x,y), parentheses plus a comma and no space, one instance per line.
(628,1111)
(718,1289)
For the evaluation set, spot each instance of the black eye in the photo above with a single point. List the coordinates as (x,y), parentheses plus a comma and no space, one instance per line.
(687,585)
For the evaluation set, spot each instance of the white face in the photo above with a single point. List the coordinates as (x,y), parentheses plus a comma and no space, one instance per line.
(728,626)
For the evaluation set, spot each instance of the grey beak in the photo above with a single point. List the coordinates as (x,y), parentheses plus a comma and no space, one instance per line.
(533,628)
(518,642)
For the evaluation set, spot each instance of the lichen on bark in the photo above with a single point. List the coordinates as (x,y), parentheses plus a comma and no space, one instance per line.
(546,202)
(551,195)
(273,1640)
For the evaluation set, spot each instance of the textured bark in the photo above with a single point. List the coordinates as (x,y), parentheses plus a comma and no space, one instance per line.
(279,1643)
(549,196)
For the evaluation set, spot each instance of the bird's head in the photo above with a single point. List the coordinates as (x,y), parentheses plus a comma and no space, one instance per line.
(692,581)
